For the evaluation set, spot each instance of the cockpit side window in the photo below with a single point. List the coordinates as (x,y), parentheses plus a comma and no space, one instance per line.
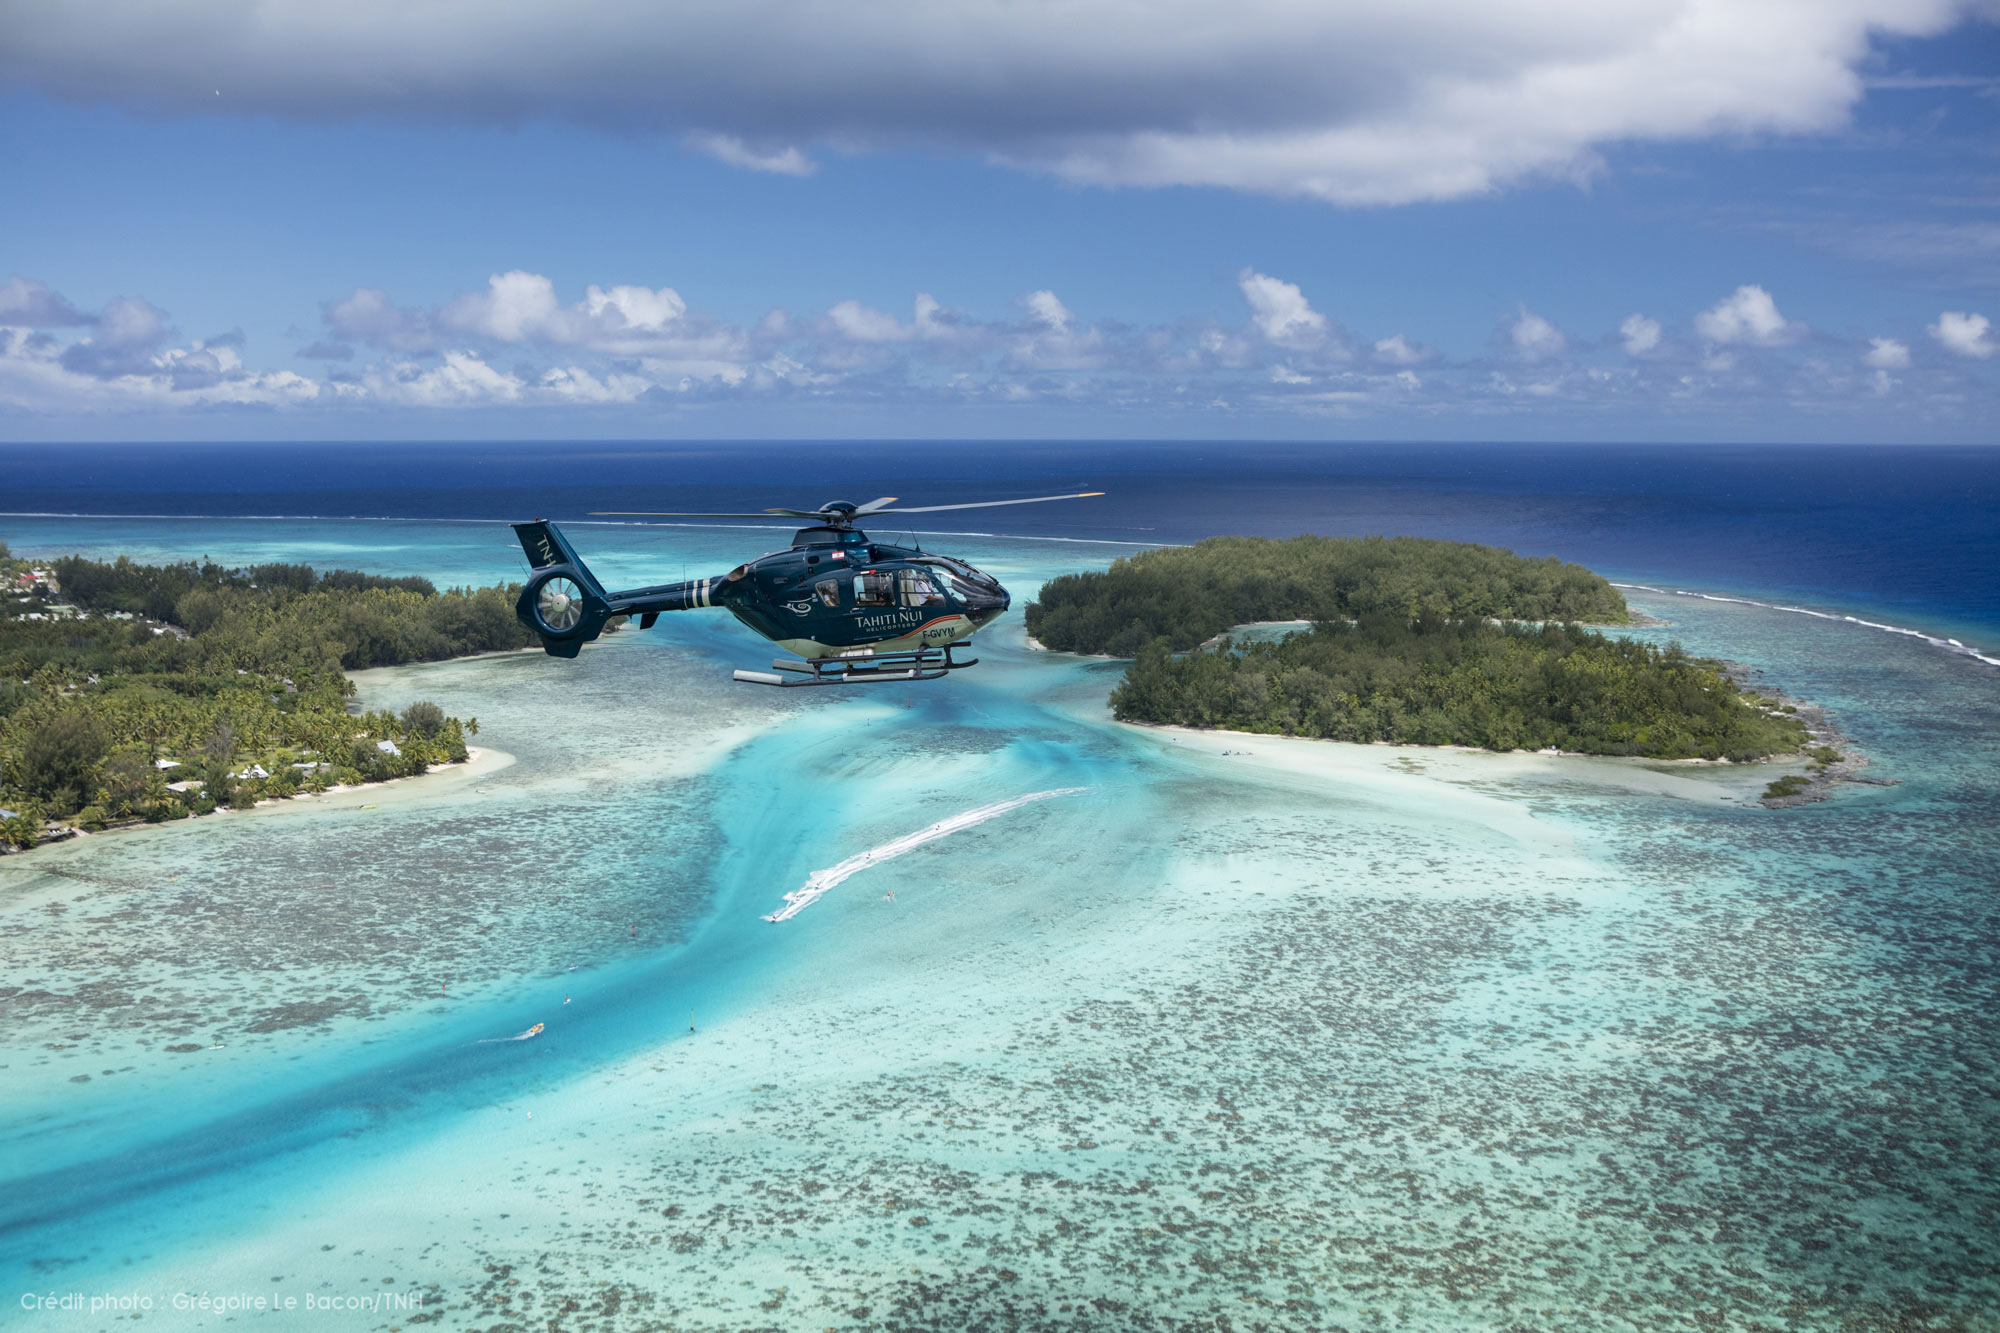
(914,588)
(829,592)
(874,590)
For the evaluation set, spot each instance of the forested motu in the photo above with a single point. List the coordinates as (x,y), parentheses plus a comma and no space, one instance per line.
(1189,594)
(1433,681)
(1414,641)
(122,682)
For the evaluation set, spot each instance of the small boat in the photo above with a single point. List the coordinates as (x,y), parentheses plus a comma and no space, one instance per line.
(534,1031)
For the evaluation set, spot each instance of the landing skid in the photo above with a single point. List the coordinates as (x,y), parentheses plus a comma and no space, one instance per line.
(921,664)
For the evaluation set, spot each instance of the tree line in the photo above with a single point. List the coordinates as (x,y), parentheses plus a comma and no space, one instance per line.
(219,672)
(1188,595)
(1430,680)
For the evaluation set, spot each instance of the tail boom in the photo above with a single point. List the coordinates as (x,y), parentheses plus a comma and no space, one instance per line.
(565,605)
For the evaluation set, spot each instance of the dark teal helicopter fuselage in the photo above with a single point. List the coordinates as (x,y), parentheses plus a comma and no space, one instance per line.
(838,599)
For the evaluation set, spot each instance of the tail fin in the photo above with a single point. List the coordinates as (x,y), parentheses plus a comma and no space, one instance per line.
(563,603)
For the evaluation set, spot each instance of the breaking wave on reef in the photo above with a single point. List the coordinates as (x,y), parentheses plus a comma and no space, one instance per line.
(1949,645)
(820,882)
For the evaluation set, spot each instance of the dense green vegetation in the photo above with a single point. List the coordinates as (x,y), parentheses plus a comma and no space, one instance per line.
(231,677)
(1434,681)
(1190,594)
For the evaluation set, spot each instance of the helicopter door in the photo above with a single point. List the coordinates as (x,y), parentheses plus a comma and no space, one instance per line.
(874,590)
(914,588)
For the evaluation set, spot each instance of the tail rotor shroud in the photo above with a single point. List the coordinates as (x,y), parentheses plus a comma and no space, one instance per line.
(559,605)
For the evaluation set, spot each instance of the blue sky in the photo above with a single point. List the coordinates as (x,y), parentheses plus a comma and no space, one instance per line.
(1651,220)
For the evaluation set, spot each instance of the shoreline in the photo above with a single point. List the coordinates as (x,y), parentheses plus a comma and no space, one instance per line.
(479,761)
(1822,775)
(1682,779)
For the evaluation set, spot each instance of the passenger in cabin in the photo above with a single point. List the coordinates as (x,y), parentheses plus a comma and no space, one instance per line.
(874,590)
(916,588)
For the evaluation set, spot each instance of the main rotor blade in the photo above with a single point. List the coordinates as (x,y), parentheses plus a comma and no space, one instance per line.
(989,504)
(675,513)
(875,506)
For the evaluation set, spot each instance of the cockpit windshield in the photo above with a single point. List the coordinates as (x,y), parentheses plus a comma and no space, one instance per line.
(961,577)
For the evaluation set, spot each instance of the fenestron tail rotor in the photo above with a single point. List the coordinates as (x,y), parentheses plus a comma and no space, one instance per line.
(841,513)
(559,605)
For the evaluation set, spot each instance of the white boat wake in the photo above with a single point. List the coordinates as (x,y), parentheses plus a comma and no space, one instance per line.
(820,882)
(534,1031)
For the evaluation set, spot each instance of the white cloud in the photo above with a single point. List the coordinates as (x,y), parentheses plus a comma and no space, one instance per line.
(1280,311)
(929,320)
(33,305)
(127,335)
(1346,100)
(518,306)
(522,307)
(1747,315)
(1054,342)
(515,306)
(783,371)
(695,370)
(1399,351)
(866,324)
(632,349)
(1534,338)
(1047,310)
(578,385)
(464,380)
(784,161)
(1639,334)
(640,309)
(369,316)
(1887,354)
(1964,333)
(123,368)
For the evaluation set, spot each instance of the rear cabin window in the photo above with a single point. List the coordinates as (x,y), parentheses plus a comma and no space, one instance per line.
(874,590)
(914,588)
(829,592)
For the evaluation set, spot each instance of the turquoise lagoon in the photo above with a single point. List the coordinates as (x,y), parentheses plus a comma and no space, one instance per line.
(1239,1033)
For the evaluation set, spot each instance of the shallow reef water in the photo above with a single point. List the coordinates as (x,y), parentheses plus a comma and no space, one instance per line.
(1241,1033)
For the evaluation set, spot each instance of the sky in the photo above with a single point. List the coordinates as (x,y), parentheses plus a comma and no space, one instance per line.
(1445,219)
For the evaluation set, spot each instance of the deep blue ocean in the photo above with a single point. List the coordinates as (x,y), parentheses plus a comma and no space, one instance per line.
(1903,534)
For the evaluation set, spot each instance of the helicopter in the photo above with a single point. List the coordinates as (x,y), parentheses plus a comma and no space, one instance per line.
(849,608)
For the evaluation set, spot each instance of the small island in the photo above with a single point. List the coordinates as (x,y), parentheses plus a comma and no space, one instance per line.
(1411,641)
(143,693)
(1189,594)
